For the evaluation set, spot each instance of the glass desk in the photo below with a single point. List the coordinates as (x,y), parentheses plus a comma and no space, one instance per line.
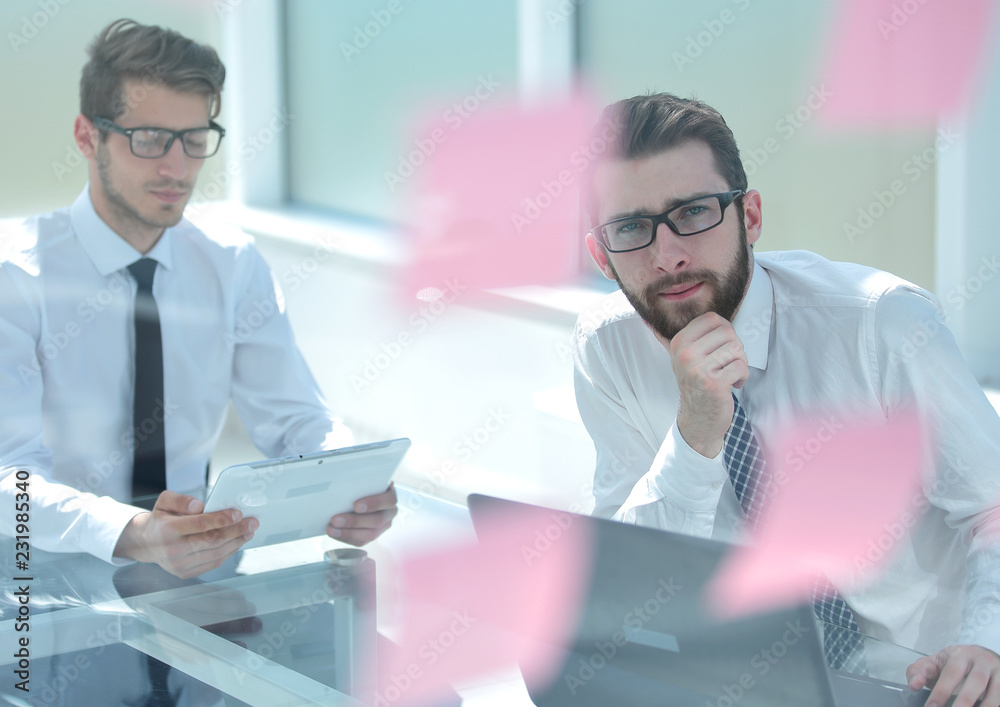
(303,635)
(292,636)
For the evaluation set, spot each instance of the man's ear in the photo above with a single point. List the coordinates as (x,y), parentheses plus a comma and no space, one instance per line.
(86,136)
(600,257)
(752,216)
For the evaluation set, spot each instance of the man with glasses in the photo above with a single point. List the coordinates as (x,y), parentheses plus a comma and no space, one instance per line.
(125,331)
(686,375)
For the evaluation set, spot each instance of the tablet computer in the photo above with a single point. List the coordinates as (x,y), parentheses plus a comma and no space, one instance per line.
(295,497)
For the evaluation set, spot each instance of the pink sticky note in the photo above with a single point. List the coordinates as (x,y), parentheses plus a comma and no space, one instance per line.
(495,202)
(904,61)
(474,610)
(836,494)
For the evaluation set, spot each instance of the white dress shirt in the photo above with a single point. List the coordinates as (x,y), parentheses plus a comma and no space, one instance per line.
(829,341)
(67,370)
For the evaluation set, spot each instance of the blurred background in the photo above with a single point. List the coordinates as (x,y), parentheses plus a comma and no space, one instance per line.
(323,105)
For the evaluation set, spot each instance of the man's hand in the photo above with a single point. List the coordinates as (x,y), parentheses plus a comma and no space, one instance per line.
(181,539)
(372,516)
(708,361)
(971,673)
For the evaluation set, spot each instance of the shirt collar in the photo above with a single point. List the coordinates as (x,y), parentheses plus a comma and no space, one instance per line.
(106,249)
(753,320)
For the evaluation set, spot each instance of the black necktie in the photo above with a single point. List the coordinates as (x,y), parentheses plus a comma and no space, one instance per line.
(842,641)
(149,467)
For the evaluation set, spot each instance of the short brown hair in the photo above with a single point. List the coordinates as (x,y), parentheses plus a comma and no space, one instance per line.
(126,50)
(647,125)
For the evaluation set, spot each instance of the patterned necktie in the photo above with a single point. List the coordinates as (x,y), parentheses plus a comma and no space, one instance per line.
(745,463)
(149,466)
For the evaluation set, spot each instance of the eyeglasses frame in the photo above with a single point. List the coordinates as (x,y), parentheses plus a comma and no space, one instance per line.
(107,124)
(725,199)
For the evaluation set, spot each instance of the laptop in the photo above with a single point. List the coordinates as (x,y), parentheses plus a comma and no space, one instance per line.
(644,636)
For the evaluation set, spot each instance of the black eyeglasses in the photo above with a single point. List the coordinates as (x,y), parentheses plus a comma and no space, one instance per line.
(150,143)
(686,219)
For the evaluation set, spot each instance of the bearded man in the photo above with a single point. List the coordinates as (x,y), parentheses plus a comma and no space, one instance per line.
(707,347)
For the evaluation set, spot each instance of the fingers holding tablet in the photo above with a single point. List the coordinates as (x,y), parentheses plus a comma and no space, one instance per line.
(182,539)
(371,517)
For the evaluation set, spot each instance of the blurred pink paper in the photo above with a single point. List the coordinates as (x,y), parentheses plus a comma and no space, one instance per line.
(495,203)
(831,500)
(906,62)
(475,610)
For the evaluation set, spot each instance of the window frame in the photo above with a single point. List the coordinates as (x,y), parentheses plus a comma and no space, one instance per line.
(549,56)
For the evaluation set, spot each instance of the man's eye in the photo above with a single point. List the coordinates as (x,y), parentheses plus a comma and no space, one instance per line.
(628,227)
(695,210)
(149,138)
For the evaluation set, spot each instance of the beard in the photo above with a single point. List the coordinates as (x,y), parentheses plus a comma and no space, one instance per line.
(124,212)
(726,293)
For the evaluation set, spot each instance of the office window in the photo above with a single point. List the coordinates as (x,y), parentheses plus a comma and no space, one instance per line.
(762,66)
(361,75)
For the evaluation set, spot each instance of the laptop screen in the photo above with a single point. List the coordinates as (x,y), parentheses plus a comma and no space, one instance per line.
(645,636)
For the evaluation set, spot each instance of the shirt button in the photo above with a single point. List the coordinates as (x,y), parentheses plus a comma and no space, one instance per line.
(717,484)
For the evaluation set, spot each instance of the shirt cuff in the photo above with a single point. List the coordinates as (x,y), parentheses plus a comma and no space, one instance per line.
(691,480)
(107,519)
(685,485)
